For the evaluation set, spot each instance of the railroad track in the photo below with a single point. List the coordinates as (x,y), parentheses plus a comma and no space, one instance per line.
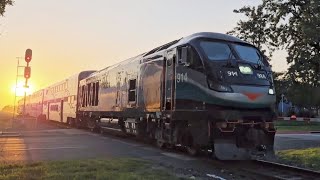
(255,169)
(261,169)
(279,171)
(58,124)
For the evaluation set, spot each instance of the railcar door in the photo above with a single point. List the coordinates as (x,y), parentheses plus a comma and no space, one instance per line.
(170,71)
(118,95)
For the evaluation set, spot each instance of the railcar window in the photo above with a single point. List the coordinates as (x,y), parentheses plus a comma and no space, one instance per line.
(86,96)
(54,108)
(132,90)
(89,94)
(89,97)
(169,62)
(216,51)
(93,94)
(82,96)
(97,94)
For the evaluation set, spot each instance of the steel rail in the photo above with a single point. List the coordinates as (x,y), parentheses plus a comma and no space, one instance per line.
(293,172)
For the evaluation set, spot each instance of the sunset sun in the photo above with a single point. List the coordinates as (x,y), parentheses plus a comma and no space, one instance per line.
(20,89)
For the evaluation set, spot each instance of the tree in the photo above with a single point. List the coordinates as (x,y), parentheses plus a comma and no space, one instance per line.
(293,25)
(7,108)
(3,4)
(255,29)
(281,84)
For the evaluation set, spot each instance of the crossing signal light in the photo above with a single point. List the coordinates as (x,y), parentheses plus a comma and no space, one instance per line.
(28,55)
(27,72)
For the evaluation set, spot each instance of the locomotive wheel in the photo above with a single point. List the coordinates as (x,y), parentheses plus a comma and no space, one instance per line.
(101,130)
(193,151)
(73,122)
(91,124)
(192,148)
(78,124)
(69,122)
(160,143)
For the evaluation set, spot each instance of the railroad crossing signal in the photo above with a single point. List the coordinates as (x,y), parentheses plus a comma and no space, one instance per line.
(28,55)
(27,72)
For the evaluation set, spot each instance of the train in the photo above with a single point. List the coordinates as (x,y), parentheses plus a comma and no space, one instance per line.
(205,92)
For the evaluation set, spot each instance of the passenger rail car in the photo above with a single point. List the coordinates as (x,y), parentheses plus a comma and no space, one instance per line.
(57,102)
(60,99)
(33,104)
(205,91)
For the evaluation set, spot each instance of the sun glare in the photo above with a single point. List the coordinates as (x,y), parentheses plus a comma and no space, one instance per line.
(20,89)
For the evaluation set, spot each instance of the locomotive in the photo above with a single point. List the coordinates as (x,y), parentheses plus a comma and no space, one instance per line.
(206,91)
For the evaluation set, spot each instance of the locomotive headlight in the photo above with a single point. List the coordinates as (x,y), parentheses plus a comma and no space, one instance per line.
(271,91)
(219,87)
(245,69)
(222,125)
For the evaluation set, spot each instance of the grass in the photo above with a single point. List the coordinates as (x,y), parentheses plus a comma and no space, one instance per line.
(308,158)
(84,169)
(297,126)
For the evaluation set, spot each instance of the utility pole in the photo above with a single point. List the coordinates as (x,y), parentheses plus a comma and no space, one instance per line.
(15,89)
(282,96)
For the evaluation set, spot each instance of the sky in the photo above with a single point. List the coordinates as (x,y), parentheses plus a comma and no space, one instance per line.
(68,36)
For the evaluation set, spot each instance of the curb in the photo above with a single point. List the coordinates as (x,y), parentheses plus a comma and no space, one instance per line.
(314,132)
(5,136)
(1,133)
(293,132)
(9,134)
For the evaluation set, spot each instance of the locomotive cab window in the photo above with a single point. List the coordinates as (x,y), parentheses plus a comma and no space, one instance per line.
(217,51)
(194,60)
(132,90)
(192,57)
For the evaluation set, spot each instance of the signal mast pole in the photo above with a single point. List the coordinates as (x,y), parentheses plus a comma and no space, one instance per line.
(25,95)
(27,73)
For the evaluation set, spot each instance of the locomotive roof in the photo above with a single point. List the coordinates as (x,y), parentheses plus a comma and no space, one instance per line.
(211,35)
(175,43)
(187,39)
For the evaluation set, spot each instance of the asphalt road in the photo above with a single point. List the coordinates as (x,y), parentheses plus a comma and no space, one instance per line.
(66,144)
(296,141)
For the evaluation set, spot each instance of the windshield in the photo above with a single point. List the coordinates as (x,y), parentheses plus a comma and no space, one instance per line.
(216,51)
(248,53)
(219,51)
